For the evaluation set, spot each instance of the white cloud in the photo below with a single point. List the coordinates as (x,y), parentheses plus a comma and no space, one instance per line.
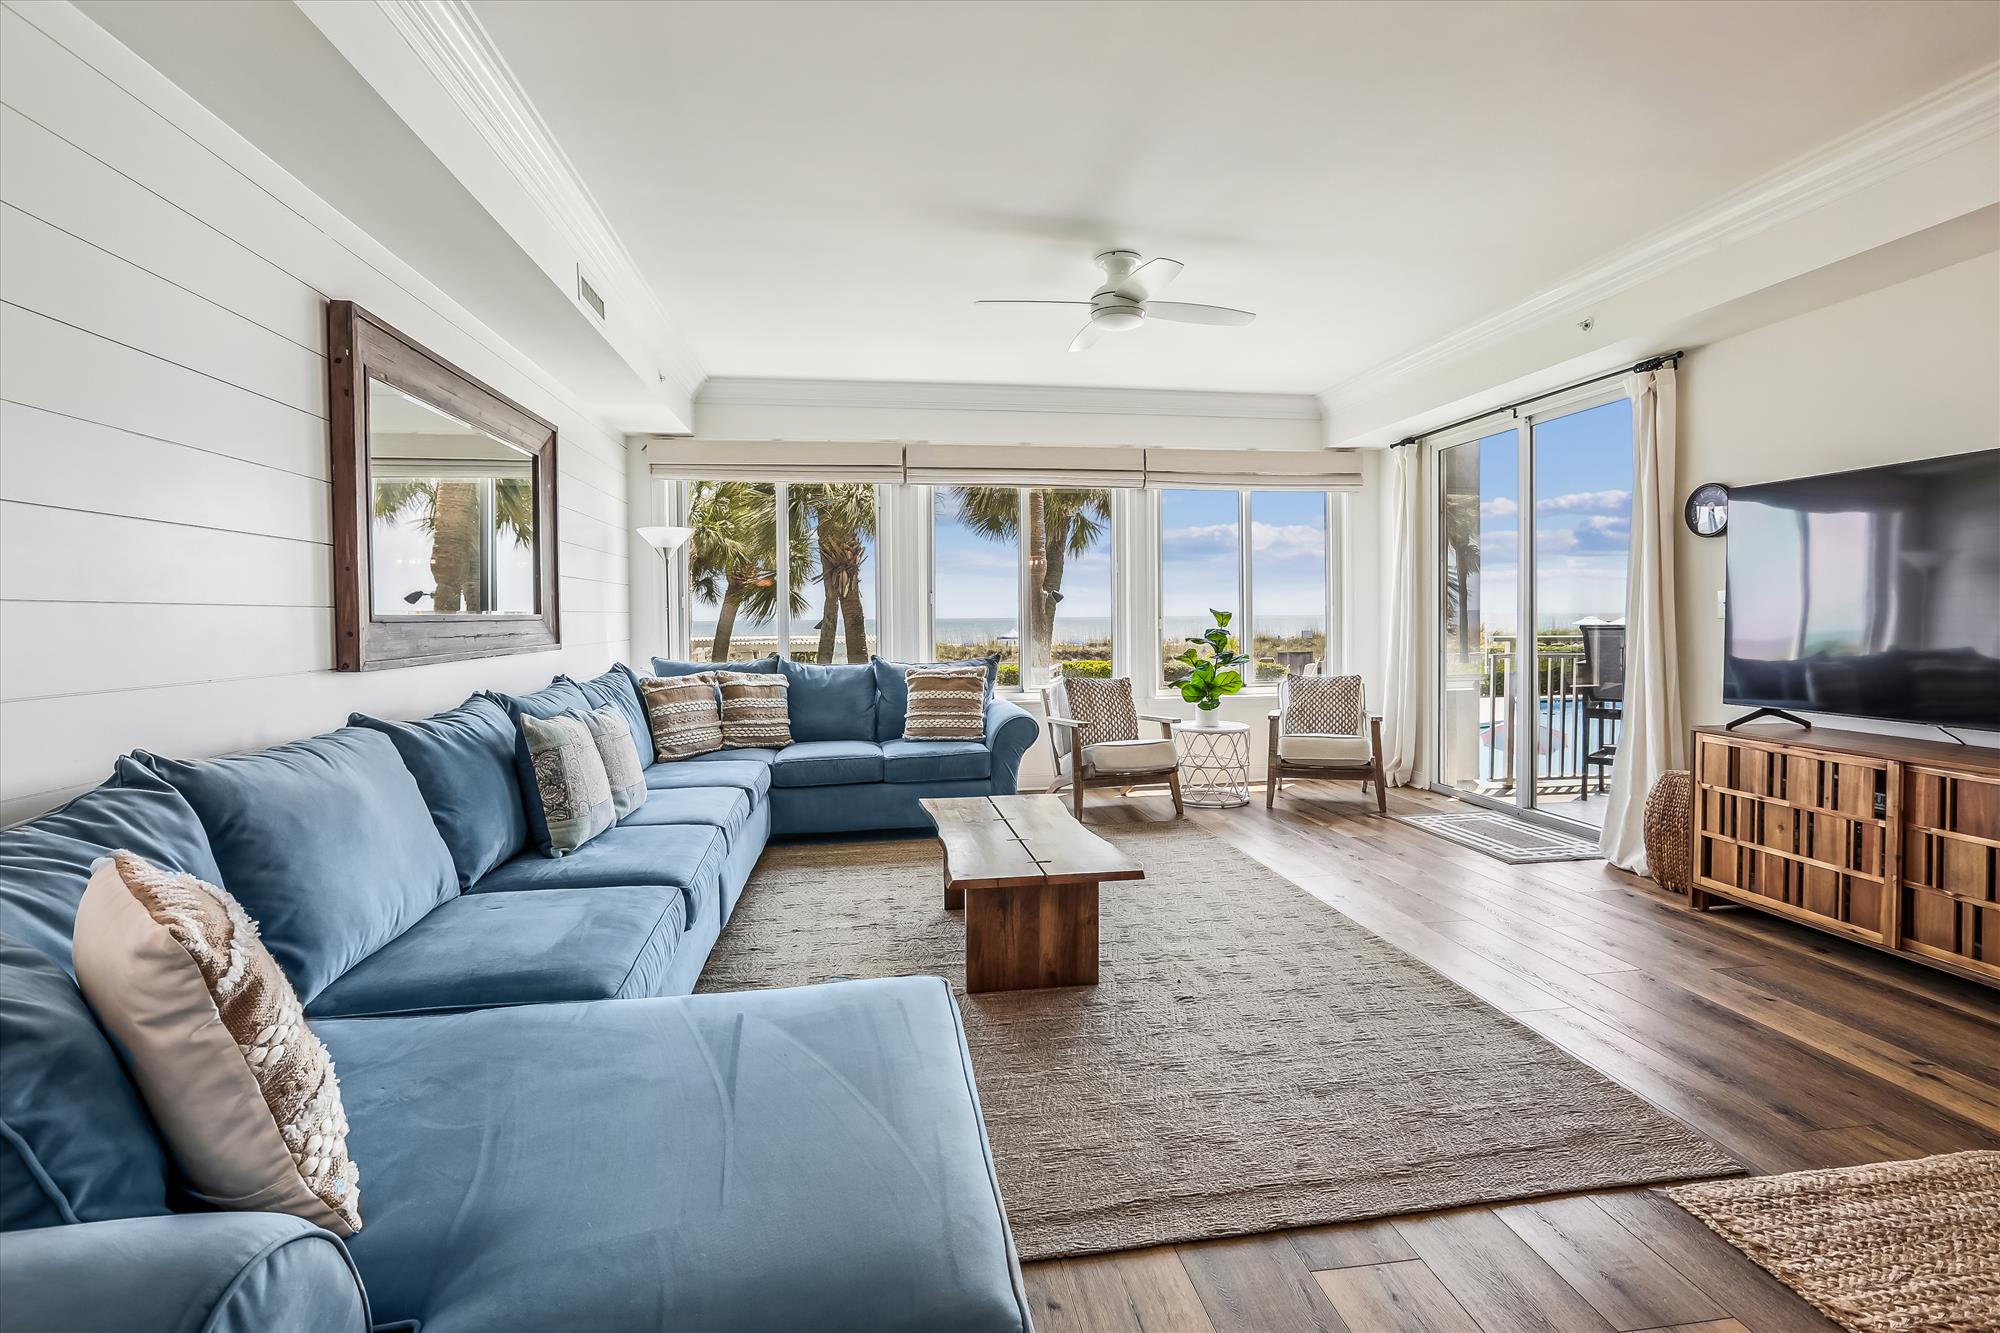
(1500,507)
(1611,503)
(1285,541)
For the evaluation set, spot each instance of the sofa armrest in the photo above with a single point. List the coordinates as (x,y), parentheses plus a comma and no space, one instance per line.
(187,1273)
(1010,730)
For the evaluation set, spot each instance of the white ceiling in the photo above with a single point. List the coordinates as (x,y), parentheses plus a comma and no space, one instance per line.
(822,190)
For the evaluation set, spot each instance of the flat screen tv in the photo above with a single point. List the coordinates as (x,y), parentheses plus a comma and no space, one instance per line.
(1873,593)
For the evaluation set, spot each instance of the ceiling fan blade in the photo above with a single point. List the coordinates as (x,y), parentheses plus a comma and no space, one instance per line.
(1087,337)
(1084,304)
(1182,313)
(1150,278)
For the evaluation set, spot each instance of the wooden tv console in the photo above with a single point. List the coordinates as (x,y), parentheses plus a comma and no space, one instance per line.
(1889,840)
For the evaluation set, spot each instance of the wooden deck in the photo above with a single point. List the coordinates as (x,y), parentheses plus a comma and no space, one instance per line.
(1787,1047)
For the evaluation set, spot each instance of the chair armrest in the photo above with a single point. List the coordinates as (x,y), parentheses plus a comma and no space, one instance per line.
(1068,722)
(1010,730)
(1159,717)
(184,1273)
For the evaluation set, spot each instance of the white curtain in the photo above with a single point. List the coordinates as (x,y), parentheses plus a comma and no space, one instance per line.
(1650,739)
(1404,667)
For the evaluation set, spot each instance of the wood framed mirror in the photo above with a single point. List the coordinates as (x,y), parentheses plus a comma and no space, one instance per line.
(444,506)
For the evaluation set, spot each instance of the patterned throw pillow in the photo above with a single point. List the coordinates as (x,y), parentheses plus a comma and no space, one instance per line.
(241,1088)
(1104,707)
(571,786)
(756,711)
(683,713)
(946,703)
(620,753)
(1323,706)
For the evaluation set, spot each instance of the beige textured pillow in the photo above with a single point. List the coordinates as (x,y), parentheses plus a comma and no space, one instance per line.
(1323,706)
(242,1089)
(946,703)
(756,710)
(683,715)
(1104,707)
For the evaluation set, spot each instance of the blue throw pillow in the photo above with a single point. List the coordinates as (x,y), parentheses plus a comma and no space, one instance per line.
(76,1144)
(667,666)
(326,842)
(892,690)
(620,688)
(831,703)
(463,761)
(45,864)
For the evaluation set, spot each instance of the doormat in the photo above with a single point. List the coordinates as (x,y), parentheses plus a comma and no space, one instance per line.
(1504,838)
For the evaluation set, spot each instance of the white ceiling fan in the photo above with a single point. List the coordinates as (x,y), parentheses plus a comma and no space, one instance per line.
(1125,300)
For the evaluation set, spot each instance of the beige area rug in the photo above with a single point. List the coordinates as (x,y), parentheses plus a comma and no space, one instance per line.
(1912,1247)
(1250,1059)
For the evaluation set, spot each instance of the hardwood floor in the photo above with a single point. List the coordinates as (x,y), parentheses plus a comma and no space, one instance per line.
(1787,1047)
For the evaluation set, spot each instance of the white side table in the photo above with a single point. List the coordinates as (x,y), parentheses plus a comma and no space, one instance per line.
(1215,763)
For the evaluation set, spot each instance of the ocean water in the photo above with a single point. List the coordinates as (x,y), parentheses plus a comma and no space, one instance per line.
(1070,629)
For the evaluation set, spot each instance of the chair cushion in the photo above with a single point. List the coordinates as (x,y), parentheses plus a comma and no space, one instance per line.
(1154,756)
(809,1157)
(684,714)
(1322,705)
(667,666)
(747,769)
(483,950)
(620,688)
(463,761)
(619,751)
(568,792)
(892,694)
(831,703)
(45,864)
(726,808)
(76,1144)
(755,713)
(687,857)
(1104,706)
(827,763)
(1335,750)
(326,842)
(945,704)
(935,761)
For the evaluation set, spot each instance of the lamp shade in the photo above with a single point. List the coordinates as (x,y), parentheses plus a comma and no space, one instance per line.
(667,540)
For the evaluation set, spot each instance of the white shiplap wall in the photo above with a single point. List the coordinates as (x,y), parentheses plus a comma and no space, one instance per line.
(164,533)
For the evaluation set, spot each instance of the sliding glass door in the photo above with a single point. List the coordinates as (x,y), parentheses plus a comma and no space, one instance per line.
(1531,599)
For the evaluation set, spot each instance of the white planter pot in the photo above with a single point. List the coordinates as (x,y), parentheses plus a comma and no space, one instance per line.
(1208,717)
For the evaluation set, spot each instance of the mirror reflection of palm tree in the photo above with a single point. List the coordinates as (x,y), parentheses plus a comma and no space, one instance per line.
(1461,539)
(1062,525)
(449,512)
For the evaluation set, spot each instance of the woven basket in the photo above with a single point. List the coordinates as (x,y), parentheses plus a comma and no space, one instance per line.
(1670,831)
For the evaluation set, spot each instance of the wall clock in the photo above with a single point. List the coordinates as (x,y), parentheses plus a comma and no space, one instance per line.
(1707,512)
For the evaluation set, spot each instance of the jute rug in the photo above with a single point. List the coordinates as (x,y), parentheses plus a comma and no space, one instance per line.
(1908,1247)
(1250,1060)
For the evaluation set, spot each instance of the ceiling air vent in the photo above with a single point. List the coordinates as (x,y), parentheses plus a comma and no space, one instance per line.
(588,294)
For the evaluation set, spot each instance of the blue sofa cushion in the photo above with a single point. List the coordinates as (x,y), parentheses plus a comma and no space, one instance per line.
(830,703)
(775,1159)
(620,688)
(326,842)
(935,761)
(667,666)
(483,950)
(463,761)
(45,864)
(687,857)
(726,808)
(892,691)
(76,1144)
(752,775)
(827,763)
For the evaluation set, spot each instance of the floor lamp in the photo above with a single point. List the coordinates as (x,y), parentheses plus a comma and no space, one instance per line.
(666,540)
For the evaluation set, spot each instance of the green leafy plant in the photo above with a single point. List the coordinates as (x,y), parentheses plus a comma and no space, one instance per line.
(1211,678)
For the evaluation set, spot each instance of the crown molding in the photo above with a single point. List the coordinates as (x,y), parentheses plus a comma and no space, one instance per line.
(1957,114)
(926,396)
(449,41)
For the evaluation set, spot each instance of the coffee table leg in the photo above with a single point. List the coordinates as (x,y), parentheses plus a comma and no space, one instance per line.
(1030,938)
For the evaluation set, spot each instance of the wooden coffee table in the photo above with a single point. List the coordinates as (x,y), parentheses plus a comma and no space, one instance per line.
(1032,874)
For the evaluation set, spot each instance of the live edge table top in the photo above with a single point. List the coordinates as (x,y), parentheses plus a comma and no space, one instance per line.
(1002,842)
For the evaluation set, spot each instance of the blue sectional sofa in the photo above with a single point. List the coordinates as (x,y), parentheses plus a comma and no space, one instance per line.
(552,1130)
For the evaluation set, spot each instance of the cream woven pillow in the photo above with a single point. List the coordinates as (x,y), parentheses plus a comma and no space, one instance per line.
(242,1089)
(683,714)
(1323,706)
(1104,707)
(620,753)
(946,703)
(756,710)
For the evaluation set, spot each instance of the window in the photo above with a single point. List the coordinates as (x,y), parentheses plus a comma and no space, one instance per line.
(1288,583)
(976,575)
(1069,583)
(836,522)
(1201,567)
(732,570)
(1262,556)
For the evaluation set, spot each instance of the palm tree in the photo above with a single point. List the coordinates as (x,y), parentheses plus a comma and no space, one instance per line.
(1061,524)
(449,512)
(842,520)
(732,558)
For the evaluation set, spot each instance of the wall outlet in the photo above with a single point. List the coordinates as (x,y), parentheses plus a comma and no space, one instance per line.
(1722,604)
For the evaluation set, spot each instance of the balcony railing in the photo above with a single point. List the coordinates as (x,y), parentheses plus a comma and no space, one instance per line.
(1565,734)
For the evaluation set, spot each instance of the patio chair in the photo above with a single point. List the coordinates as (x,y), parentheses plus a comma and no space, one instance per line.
(1094,737)
(1317,732)
(1603,691)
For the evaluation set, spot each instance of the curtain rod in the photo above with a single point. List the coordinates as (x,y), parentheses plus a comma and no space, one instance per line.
(1637,367)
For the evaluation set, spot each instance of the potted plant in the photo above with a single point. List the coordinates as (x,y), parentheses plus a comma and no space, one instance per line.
(1212,677)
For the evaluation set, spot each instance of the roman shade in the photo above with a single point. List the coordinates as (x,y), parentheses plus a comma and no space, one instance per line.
(1262,469)
(774,460)
(1109,468)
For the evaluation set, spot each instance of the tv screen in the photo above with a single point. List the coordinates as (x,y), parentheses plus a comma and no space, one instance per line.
(1874,593)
